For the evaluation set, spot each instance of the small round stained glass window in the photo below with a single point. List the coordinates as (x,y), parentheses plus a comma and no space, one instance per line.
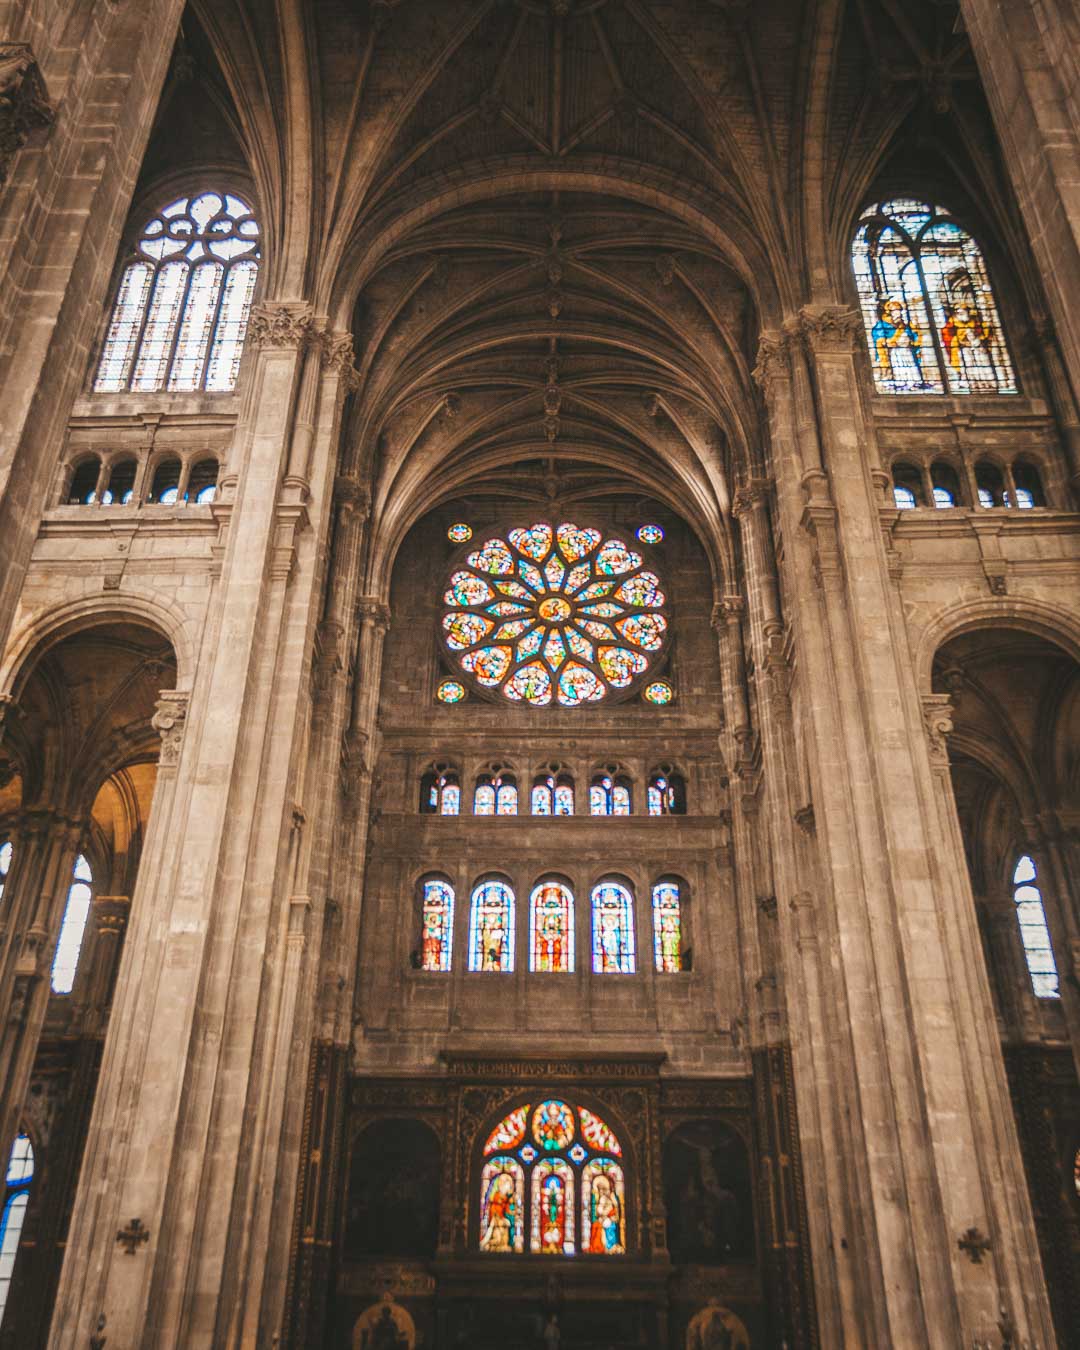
(659,692)
(650,534)
(450,691)
(555,615)
(459,533)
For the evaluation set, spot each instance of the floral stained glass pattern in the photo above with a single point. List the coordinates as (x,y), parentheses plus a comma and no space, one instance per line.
(553,1157)
(555,615)
(182,307)
(931,320)
(437,939)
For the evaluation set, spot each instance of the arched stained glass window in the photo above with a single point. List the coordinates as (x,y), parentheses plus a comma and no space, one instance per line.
(554,615)
(496,795)
(931,320)
(667,793)
(551,928)
(73,928)
(613,930)
(609,795)
(491,927)
(20,1173)
(553,796)
(1034,933)
(6,855)
(181,312)
(437,936)
(667,926)
(440,792)
(553,1171)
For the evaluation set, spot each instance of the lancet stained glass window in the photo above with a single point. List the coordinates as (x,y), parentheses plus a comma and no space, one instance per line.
(931,320)
(667,927)
(553,1172)
(491,927)
(6,854)
(613,930)
(182,308)
(1034,933)
(551,928)
(554,615)
(73,928)
(437,938)
(20,1173)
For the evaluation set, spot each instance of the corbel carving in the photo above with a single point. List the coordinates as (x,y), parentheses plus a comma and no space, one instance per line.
(283,324)
(937,714)
(752,493)
(373,611)
(773,361)
(665,269)
(169,721)
(448,409)
(352,497)
(336,352)
(24,103)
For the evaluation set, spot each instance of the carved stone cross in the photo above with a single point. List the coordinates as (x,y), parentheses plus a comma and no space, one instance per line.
(133,1236)
(974,1244)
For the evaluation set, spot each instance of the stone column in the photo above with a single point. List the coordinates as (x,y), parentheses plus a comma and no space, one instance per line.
(935,1169)
(110,913)
(62,211)
(1025,50)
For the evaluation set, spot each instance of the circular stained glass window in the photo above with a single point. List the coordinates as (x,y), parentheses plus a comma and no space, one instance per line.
(565,615)
(459,533)
(659,692)
(650,534)
(450,691)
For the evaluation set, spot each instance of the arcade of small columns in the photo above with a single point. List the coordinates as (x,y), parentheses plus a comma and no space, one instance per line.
(236,963)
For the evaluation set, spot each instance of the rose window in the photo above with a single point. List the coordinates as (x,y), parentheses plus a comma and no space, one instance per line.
(555,615)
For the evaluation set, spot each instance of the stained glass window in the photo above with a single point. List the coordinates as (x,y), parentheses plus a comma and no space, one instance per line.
(450,691)
(650,534)
(437,936)
(73,928)
(440,792)
(460,533)
(659,692)
(495,795)
(545,1166)
(613,930)
(667,927)
(667,794)
(1034,933)
(609,795)
(6,854)
(553,795)
(491,927)
(931,320)
(551,928)
(20,1173)
(181,311)
(554,615)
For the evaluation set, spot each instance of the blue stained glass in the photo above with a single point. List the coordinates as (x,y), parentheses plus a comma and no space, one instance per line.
(491,928)
(613,929)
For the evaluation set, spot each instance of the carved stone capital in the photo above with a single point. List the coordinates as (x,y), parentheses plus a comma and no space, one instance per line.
(24,103)
(728,610)
(752,493)
(169,721)
(283,323)
(351,496)
(937,714)
(827,330)
(111,913)
(336,351)
(773,360)
(373,611)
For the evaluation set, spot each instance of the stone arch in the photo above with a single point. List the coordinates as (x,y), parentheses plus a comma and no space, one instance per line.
(1058,626)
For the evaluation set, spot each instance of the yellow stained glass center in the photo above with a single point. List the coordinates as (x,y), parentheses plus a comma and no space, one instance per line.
(554,609)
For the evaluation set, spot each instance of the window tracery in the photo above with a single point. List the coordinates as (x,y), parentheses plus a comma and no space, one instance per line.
(440,791)
(931,319)
(610,793)
(1034,933)
(543,1168)
(667,792)
(562,615)
(553,793)
(182,307)
(20,1174)
(496,794)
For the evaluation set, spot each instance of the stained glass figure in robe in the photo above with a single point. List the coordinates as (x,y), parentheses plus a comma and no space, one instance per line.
(491,927)
(438,926)
(603,1222)
(553,1126)
(931,319)
(502,1210)
(552,1209)
(667,927)
(552,922)
(613,929)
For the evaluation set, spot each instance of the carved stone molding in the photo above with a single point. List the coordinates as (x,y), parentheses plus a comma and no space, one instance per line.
(283,324)
(351,496)
(752,493)
(111,912)
(169,721)
(773,361)
(336,352)
(937,714)
(827,330)
(24,103)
